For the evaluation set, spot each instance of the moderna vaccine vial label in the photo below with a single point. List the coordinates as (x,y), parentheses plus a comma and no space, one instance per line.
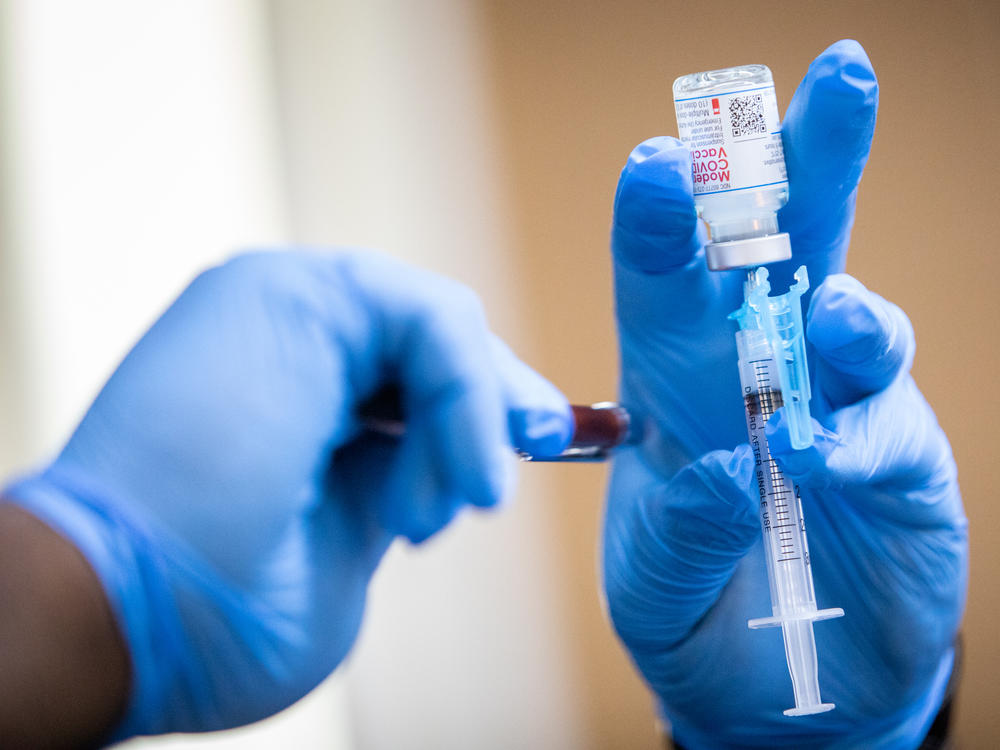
(734,137)
(729,120)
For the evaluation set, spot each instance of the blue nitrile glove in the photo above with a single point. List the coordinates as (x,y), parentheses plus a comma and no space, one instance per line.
(684,565)
(221,489)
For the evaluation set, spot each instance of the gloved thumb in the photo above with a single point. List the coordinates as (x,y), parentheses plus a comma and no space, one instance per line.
(670,548)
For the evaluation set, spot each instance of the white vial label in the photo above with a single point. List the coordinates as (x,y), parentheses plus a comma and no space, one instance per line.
(734,139)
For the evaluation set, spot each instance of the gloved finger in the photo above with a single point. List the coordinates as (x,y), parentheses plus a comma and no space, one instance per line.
(433,340)
(670,548)
(861,341)
(419,500)
(656,237)
(444,363)
(885,453)
(654,228)
(538,416)
(389,486)
(827,134)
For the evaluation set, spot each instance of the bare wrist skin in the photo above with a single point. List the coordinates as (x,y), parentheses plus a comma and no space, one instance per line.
(64,666)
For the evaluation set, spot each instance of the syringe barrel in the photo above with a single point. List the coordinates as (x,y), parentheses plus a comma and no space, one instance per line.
(779,503)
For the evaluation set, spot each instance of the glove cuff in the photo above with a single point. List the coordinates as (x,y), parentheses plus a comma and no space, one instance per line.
(134,572)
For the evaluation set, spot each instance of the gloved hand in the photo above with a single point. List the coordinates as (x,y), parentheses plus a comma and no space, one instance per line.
(221,487)
(683,560)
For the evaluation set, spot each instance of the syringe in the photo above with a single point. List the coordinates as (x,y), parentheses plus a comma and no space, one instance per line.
(773,373)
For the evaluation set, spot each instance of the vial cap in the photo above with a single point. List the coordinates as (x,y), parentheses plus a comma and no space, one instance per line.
(753,251)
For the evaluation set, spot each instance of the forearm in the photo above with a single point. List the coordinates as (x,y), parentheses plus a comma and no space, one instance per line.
(64,668)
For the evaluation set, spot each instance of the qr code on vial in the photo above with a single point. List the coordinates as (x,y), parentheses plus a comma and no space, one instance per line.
(746,114)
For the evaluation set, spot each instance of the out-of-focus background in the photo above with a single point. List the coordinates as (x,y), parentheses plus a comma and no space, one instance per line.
(141,141)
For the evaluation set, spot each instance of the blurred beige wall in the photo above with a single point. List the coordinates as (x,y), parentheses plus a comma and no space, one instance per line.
(579,83)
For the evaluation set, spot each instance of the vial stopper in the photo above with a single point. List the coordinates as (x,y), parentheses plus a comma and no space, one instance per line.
(749,252)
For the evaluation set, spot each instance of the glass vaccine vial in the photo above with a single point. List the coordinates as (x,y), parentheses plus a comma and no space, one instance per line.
(729,120)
